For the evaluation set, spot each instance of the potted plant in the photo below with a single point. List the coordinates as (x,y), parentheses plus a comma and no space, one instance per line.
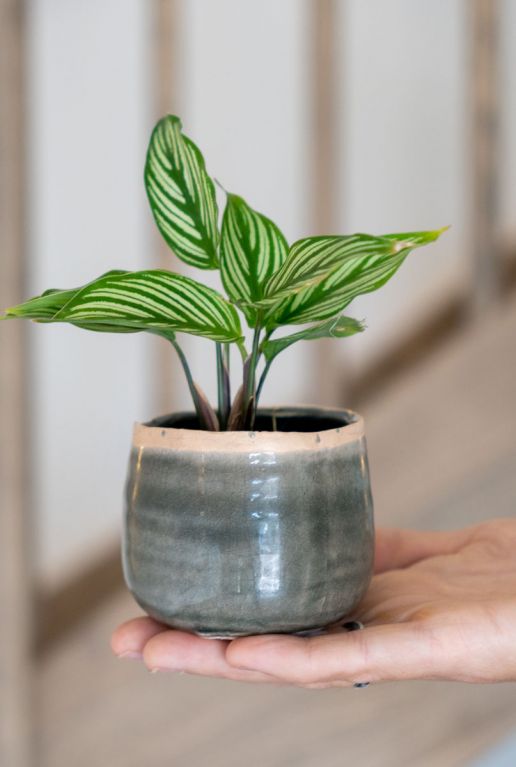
(239,520)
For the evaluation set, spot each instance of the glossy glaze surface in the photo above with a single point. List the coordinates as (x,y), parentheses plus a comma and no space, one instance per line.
(249,532)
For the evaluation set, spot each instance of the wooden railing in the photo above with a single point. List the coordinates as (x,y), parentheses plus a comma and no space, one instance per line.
(16,603)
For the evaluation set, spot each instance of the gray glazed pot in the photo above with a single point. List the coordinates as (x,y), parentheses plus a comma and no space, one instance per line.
(235,533)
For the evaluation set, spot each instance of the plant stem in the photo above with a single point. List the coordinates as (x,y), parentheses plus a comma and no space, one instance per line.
(226,358)
(226,353)
(223,386)
(220,383)
(262,381)
(249,399)
(191,384)
(265,370)
(253,363)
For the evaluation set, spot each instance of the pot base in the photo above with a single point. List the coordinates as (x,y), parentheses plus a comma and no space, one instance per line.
(229,636)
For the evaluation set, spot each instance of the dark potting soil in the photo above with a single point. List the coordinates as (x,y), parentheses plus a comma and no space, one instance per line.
(266,420)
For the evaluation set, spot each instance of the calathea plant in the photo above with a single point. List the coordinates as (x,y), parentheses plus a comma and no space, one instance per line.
(270,283)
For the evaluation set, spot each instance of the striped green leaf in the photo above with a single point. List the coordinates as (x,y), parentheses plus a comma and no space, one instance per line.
(182,195)
(44,307)
(337,327)
(252,249)
(322,275)
(155,300)
(313,258)
(308,261)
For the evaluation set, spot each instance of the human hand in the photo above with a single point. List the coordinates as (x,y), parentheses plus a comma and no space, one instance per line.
(441,605)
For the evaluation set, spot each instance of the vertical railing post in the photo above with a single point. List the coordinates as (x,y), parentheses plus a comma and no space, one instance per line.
(485,108)
(324,103)
(325,99)
(165,65)
(16,606)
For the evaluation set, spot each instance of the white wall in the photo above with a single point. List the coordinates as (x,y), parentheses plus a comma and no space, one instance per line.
(403,165)
(244,101)
(88,115)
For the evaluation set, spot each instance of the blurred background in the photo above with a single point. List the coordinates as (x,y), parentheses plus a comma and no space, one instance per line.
(328,116)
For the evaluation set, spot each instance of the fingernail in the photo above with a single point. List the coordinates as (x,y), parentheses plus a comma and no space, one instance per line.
(130,654)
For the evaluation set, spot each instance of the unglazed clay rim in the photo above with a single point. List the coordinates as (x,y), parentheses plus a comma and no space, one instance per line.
(196,440)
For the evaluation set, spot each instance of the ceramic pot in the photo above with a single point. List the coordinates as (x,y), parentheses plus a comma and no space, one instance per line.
(235,533)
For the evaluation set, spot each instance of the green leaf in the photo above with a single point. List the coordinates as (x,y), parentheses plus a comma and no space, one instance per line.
(45,306)
(309,260)
(156,300)
(105,328)
(252,250)
(41,307)
(182,195)
(337,327)
(322,275)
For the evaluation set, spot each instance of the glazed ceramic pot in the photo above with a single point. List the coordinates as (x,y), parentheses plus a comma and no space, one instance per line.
(235,533)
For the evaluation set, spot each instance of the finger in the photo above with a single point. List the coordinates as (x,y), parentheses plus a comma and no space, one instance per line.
(183,652)
(397,548)
(130,638)
(378,653)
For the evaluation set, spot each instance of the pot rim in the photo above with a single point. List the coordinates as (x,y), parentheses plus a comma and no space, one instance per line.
(153,434)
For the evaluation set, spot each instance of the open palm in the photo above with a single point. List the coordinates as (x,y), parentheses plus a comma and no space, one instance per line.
(441,605)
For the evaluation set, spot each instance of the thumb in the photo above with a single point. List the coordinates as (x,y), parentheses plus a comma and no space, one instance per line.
(395,548)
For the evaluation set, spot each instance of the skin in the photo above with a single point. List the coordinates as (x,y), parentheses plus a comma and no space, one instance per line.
(441,605)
